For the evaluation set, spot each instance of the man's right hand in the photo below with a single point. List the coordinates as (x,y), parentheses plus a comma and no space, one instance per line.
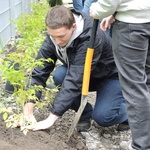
(26,120)
(106,22)
(27,116)
(28,109)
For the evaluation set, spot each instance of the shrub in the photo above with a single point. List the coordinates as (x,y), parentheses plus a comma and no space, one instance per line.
(31,30)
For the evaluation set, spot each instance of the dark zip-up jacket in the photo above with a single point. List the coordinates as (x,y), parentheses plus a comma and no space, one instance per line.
(103,65)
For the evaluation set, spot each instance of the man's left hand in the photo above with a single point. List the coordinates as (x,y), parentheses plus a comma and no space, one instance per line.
(47,123)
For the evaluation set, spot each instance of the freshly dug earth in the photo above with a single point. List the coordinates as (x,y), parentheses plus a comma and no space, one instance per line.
(55,138)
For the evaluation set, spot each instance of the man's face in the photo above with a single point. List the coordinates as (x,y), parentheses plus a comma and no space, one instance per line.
(61,35)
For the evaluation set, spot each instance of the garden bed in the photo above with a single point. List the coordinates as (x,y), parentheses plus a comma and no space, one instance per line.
(55,138)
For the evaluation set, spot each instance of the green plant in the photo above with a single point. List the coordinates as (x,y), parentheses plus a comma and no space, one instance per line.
(31,28)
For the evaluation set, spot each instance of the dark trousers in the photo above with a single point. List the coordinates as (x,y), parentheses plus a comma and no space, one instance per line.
(109,108)
(131,47)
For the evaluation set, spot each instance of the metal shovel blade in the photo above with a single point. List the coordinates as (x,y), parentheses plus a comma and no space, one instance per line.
(78,114)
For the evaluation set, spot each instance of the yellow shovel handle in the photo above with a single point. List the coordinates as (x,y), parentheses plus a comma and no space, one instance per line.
(87,71)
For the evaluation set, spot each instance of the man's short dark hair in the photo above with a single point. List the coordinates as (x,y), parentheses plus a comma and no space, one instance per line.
(59,16)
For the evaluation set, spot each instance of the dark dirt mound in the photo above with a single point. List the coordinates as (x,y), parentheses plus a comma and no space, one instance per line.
(54,138)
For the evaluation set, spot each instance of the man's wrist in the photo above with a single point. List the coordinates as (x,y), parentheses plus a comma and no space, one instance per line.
(53,116)
(28,109)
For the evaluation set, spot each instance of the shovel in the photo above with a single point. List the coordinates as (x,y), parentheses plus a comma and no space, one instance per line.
(86,78)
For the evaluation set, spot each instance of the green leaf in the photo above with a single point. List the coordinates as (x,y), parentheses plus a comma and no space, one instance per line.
(5,116)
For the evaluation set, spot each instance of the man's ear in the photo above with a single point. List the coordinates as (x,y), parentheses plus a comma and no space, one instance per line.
(74,26)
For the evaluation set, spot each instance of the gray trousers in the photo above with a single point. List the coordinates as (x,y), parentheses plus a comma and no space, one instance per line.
(131,48)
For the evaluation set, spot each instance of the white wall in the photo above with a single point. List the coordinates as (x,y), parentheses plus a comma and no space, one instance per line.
(10,10)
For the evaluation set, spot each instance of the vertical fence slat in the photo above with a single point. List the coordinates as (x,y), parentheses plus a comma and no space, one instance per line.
(10,10)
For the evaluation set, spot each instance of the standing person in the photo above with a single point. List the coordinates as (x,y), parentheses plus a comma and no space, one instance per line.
(67,40)
(131,48)
(82,5)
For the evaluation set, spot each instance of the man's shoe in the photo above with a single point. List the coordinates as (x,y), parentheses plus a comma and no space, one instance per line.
(84,125)
(124,126)
(126,145)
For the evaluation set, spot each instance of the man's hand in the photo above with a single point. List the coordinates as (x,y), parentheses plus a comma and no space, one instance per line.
(27,120)
(27,116)
(28,109)
(106,22)
(47,123)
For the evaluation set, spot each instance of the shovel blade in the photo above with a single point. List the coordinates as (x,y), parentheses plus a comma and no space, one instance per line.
(78,115)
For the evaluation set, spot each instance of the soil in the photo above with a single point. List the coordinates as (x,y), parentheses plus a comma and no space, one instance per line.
(55,138)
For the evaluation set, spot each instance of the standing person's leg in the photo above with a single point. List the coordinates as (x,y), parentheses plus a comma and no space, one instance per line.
(110,106)
(147,67)
(131,53)
(78,5)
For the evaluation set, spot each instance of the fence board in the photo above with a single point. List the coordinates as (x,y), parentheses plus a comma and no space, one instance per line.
(10,10)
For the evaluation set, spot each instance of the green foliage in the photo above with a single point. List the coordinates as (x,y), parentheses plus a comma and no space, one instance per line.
(17,66)
(32,29)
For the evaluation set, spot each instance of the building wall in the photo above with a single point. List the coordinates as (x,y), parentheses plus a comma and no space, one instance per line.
(10,10)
